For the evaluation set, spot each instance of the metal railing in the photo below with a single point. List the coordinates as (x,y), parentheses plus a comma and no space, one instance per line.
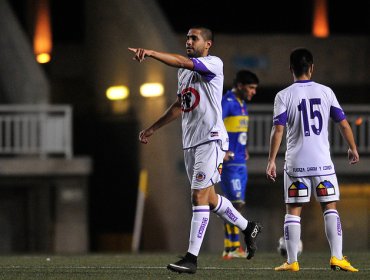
(38,130)
(260,123)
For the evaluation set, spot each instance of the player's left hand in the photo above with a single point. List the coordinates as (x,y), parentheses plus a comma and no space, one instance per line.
(271,171)
(229,155)
(144,134)
(246,155)
(353,156)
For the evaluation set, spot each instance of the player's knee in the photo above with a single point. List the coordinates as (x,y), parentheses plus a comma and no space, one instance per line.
(199,197)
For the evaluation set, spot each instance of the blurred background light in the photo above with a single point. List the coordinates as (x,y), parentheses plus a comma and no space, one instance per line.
(43,58)
(117,92)
(151,89)
(42,41)
(320,26)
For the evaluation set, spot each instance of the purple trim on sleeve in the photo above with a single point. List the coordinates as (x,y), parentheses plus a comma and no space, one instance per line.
(337,114)
(281,119)
(202,70)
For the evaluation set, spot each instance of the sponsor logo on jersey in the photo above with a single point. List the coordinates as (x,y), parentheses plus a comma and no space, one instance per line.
(190,98)
(325,189)
(297,189)
(200,176)
(214,133)
(219,168)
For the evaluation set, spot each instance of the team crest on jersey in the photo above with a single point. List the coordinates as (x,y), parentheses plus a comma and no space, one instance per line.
(297,189)
(190,98)
(219,168)
(200,176)
(325,189)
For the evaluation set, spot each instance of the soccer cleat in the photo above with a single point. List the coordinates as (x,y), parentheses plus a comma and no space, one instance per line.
(237,253)
(183,266)
(342,264)
(225,255)
(288,267)
(250,235)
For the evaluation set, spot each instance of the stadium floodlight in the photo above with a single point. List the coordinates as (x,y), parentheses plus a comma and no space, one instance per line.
(117,92)
(151,89)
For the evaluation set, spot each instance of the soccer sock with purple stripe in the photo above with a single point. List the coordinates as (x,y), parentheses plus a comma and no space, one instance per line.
(199,223)
(228,213)
(292,236)
(333,230)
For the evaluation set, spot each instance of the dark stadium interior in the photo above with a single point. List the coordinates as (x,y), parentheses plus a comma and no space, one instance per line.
(112,189)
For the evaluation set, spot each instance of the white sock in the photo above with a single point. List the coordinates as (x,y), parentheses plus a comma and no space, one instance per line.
(228,213)
(199,223)
(292,236)
(333,230)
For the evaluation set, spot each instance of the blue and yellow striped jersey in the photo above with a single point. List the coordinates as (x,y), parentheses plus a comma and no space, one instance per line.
(236,118)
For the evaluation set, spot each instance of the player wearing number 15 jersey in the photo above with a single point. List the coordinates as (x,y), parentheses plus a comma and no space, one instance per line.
(305,109)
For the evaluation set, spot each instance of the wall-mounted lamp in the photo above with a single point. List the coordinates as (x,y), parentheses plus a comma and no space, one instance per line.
(42,41)
(320,28)
(117,92)
(151,89)
(43,58)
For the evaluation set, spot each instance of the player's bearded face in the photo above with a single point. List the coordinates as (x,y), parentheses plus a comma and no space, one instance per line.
(194,51)
(195,44)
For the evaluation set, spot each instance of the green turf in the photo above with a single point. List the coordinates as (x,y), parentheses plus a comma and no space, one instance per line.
(153,266)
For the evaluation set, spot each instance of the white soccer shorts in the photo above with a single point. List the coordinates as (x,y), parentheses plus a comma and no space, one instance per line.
(298,190)
(203,164)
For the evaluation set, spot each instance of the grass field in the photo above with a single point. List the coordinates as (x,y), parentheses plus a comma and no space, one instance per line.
(153,266)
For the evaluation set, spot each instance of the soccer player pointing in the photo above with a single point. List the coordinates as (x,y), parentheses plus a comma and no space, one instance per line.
(199,94)
(305,108)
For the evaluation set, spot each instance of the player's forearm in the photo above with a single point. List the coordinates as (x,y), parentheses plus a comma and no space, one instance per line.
(275,141)
(172,113)
(347,134)
(174,60)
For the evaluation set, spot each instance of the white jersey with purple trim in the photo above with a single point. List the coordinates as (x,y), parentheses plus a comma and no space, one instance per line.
(201,94)
(305,108)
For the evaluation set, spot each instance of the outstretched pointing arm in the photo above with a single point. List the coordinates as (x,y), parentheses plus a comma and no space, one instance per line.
(174,60)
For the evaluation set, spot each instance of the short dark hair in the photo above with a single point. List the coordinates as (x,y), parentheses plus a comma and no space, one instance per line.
(245,77)
(301,59)
(207,33)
